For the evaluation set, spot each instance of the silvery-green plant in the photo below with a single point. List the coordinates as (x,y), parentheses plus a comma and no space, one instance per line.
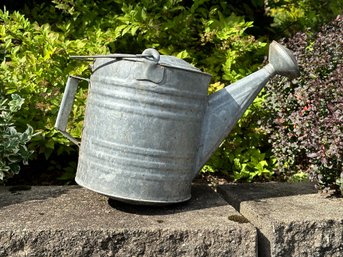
(13,150)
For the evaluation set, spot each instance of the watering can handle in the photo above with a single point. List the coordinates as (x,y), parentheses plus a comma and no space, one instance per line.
(149,53)
(66,107)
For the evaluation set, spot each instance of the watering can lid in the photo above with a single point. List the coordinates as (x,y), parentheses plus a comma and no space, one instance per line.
(174,62)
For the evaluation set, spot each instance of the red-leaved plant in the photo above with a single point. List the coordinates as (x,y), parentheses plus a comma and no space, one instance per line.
(306,121)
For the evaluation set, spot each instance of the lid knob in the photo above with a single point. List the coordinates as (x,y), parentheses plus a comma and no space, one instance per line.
(154,54)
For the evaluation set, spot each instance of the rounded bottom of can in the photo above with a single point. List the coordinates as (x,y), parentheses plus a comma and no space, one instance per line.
(136,201)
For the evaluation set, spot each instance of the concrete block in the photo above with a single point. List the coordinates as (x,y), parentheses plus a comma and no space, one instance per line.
(292,219)
(72,221)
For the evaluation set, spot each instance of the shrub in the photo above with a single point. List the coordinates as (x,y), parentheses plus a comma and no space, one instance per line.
(307,114)
(13,150)
(35,65)
(245,155)
(290,16)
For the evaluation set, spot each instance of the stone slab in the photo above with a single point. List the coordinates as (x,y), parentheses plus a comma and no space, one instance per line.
(292,218)
(72,221)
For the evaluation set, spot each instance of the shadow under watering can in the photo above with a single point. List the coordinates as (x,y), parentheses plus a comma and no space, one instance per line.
(150,124)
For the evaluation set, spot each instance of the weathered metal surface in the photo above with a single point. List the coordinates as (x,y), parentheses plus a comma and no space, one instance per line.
(140,138)
(150,126)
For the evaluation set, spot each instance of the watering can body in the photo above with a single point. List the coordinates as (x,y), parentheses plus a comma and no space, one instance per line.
(150,125)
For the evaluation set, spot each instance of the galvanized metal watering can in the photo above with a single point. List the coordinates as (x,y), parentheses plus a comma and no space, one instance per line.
(150,125)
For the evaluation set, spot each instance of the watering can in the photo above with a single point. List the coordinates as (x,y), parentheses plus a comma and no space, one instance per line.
(150,124)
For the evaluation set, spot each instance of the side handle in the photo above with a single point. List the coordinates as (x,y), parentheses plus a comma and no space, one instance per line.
(66,107)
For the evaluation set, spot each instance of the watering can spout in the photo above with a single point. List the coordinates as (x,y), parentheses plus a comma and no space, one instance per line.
(226,106)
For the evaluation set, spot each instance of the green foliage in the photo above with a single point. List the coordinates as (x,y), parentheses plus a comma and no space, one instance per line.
(291,16)
(206,33)
(307,114)
(231,54)
(35,65)
(245,155)
(13,150)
